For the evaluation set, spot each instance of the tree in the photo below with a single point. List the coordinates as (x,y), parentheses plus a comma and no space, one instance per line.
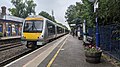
(46,15)
(30,7)
(22,9)
(79,12)
(70,14)
(109,11)
(87,13)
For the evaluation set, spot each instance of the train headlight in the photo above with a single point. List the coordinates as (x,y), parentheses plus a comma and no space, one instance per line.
(23,37)
(41,37)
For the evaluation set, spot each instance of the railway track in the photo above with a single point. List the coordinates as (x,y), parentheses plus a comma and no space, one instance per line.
(3,63)
(9,46)
(7,41)
(15,54)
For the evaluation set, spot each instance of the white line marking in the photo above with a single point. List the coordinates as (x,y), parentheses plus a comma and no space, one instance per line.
(23,57)
(38,59)
(54,57)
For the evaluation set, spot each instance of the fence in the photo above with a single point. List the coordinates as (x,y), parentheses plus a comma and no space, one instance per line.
(109,39)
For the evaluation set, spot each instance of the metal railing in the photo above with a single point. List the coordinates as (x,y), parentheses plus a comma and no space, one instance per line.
(109,39)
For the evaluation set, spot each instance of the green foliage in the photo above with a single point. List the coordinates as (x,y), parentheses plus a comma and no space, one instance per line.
(22,9)
(87,13)
(77,13)
(70,14)
(30,7)
(109,11)
(1,34)
(46,15)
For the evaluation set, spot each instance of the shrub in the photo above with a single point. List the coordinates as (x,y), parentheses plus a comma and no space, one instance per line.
(92,49)
(1,34)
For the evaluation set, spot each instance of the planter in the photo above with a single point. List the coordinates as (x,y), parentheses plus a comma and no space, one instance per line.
(93,57)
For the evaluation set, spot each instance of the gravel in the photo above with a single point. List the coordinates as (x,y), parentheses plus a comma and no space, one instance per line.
(12,52)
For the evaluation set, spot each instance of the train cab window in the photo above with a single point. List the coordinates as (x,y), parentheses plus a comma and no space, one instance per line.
(33,26)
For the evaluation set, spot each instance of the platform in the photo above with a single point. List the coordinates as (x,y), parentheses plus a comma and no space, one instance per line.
(9,37)
(66,51)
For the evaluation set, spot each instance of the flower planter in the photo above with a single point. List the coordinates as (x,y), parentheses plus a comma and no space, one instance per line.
(93,57)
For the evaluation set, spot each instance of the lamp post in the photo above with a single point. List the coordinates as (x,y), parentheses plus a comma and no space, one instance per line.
(96,20)
(84,32)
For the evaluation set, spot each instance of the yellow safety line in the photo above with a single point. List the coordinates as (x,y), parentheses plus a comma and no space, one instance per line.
(51,61)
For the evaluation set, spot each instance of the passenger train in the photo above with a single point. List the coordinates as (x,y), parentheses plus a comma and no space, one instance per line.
(38,30)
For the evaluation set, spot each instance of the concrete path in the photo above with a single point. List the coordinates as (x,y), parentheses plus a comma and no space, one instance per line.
(72,55)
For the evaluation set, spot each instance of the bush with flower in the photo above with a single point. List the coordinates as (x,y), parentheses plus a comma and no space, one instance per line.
(92,49)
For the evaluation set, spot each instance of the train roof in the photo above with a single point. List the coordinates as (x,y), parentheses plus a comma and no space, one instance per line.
(34,17)
(38,17)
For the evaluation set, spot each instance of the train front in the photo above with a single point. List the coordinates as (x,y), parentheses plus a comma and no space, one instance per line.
(32,32)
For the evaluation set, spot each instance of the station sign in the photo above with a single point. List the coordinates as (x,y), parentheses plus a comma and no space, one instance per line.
(72,24)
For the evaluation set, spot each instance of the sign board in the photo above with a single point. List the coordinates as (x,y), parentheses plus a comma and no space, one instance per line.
(95,5)
(72,24)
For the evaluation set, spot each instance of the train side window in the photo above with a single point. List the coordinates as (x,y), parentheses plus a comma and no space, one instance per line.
(51,28)
(59,30)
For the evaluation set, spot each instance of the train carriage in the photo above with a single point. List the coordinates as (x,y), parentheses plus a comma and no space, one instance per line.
(38,30)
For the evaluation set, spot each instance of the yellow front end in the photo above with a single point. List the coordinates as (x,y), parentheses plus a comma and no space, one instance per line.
(32,30)
(31,36)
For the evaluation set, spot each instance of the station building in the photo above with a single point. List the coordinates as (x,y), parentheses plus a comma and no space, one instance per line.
(9,25)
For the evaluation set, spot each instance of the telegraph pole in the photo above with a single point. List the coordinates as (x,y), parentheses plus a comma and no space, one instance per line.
(53,15)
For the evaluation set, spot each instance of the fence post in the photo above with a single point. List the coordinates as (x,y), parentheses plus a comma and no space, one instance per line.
(97,34)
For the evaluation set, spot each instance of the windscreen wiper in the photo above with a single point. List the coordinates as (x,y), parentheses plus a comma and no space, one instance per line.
(34,27)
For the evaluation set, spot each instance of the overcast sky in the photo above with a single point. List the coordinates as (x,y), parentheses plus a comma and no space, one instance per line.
(58,6)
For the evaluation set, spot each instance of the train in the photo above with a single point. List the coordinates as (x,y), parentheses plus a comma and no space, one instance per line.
(38,30)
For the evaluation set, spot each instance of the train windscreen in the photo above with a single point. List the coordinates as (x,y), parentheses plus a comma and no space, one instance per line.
(33,26)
